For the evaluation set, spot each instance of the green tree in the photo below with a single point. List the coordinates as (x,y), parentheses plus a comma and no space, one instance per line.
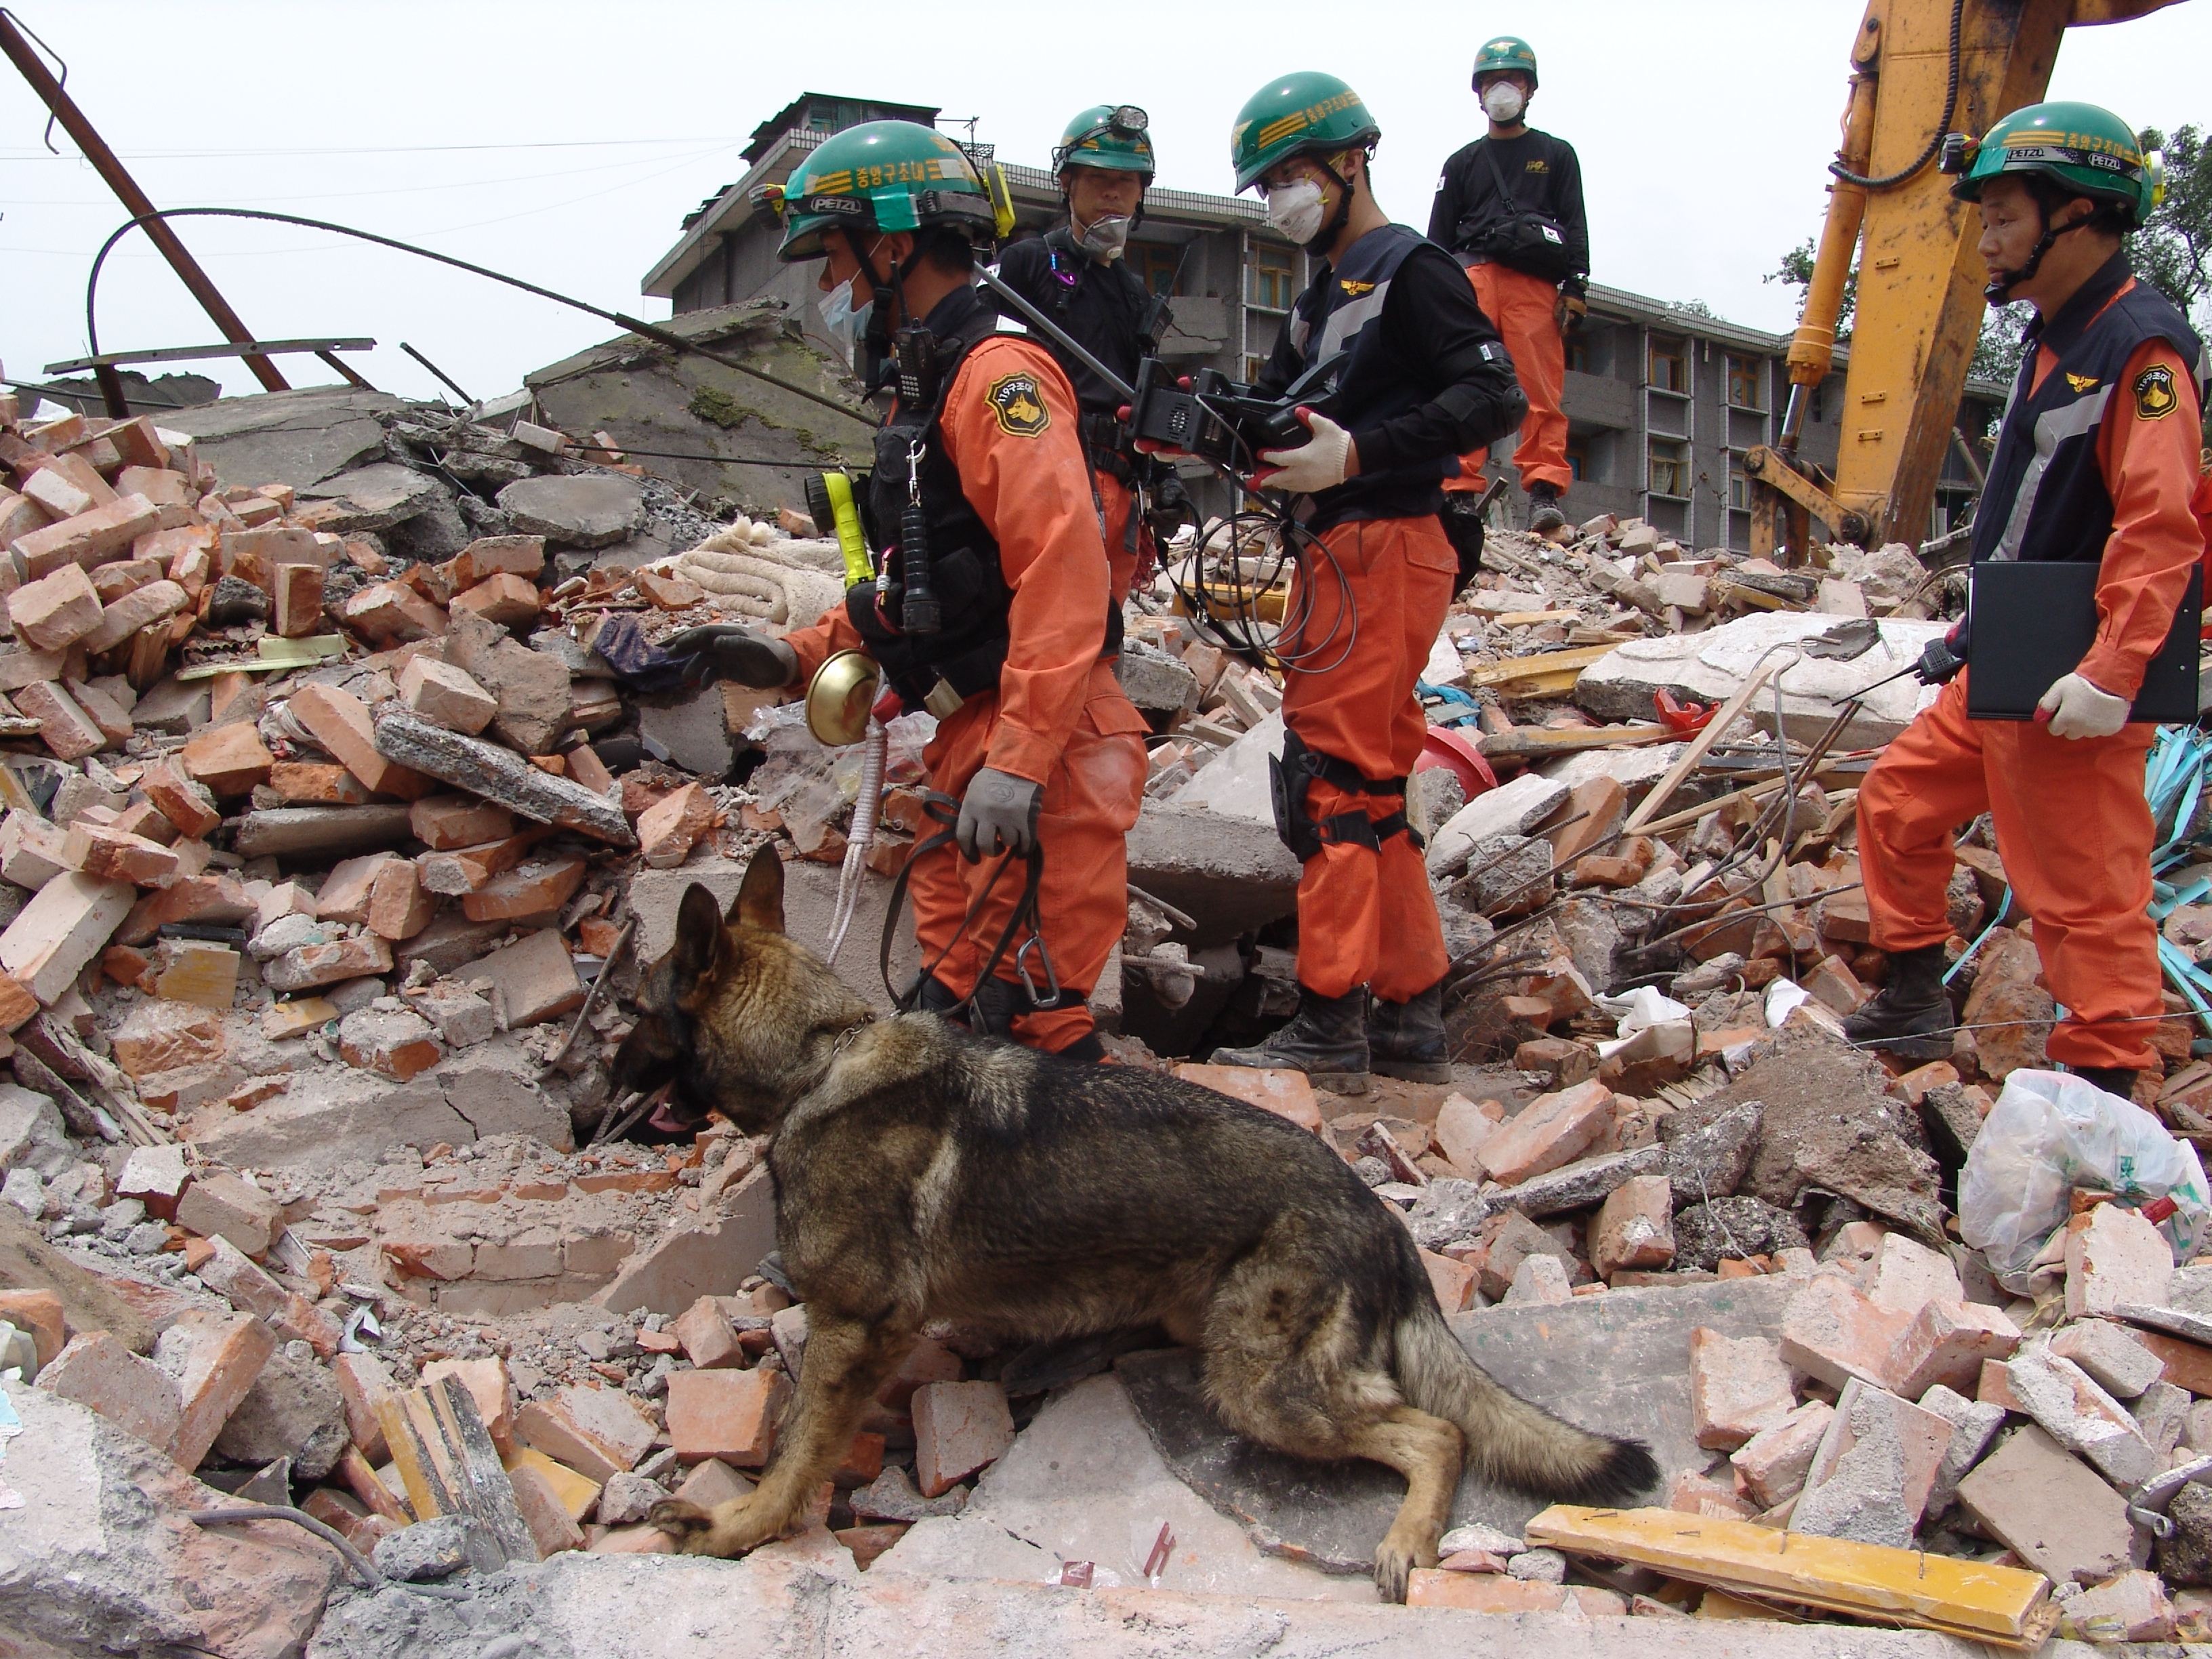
(2173,251)
(1796,272)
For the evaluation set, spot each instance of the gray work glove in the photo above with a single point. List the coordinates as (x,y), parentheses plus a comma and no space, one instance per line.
(722,651)
(998,813)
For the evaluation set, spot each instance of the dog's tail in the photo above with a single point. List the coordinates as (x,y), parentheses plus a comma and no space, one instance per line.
(1510,1441)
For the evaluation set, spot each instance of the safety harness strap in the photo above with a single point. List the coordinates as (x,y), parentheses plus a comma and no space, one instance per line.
(945,810)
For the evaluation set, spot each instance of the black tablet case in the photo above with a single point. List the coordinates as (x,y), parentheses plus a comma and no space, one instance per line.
(2034,620)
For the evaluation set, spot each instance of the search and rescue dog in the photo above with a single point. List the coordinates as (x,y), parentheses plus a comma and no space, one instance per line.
(923,1173)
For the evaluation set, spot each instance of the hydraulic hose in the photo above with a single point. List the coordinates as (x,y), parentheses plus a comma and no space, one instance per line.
(1942,121)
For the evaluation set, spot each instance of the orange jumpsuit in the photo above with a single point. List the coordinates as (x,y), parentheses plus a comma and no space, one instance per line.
(1117,502)
(1359,707)
(1523,307)
(2073,827)
(1058,717)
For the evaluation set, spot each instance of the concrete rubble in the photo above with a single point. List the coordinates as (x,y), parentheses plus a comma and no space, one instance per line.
(346,792)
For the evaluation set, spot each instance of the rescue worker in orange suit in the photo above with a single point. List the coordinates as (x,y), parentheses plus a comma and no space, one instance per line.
(2096,459)
(1034,735)
(1077,275)
(1422,377)
(1511,205)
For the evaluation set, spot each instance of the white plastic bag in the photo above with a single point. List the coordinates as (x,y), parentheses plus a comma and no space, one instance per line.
(1640,1010)
(2052,1131)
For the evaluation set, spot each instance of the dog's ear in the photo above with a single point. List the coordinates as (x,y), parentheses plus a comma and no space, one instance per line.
(759,903)
(700,940)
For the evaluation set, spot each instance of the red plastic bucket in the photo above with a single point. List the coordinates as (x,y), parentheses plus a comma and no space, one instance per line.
(1450,748)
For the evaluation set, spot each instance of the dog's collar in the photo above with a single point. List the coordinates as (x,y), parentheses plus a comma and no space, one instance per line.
(846,1036)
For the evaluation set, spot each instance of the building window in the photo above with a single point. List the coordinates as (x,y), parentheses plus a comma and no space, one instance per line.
(1578,458)
(1270,277)
(1739,485)
(1743,381)
(1155,265)
(1578,354)
(1670,366)
(1254,367)
(1670,467)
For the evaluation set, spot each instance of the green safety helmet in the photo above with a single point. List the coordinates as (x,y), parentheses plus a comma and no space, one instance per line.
(2089,151)
(1111,137)
(885,176)
(1504,51)
(1297,115)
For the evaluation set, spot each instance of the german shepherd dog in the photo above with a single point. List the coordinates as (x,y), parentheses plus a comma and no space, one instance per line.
(923,1173)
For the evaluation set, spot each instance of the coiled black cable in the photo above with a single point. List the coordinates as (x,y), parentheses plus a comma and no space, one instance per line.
(1942,122)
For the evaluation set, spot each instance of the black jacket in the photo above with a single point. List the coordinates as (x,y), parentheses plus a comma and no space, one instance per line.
(1437,383)
(1103,307)
(1545,176)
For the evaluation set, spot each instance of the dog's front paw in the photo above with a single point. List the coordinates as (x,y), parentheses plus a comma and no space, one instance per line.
(691,1527)
(1393,1566)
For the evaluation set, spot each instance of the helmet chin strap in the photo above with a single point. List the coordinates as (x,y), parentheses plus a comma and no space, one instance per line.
(1337,220)
(2001,283)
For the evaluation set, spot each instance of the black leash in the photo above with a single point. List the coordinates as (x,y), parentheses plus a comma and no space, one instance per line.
(945,810)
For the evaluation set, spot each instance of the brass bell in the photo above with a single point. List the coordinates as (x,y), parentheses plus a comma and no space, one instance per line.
(839,697)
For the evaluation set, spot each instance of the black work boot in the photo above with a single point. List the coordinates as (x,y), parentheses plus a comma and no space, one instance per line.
(1910,1016)
(1544,514)
(2112,1080)
(1406,1039)
(1326,1039)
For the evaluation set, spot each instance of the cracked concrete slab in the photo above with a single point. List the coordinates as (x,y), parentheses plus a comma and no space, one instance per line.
(781,1602)
(297,438)
(1083,1482)
(1619,1362)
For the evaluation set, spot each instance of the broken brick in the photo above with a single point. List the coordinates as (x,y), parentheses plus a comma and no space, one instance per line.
(442,695)
(297,610)
(1738,1388)
(340,722)
(671,827)
(1634,1228)
(66,925)
(505,598)
(2113,1257)
(1947,1342)
(958,1429)
(596,1431)
(1552,1130)
(222,1205)
(183,800)
(317,783)
(1832,1331)
(98,1372)
(728,1414)
(536,888)
(216,1358)
(228,759)
(709,1341)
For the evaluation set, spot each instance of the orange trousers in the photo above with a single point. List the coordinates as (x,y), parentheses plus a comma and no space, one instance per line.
(1391,581)
(1124,565)
(2075,833)
(1091,803)
(1522,307)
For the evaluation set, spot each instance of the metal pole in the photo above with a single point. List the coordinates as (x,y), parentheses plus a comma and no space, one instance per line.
(126,190)
(451,385)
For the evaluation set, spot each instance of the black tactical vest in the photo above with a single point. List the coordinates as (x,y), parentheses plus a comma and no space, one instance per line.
(969,648)
(2046,497)
(1342,311)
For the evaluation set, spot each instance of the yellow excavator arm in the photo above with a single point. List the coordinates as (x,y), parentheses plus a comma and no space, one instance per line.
(1919,68)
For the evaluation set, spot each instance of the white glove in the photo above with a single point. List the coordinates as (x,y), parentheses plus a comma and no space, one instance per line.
(2078,709)
(1311,467)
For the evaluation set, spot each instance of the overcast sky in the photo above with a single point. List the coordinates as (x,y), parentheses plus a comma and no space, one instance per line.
(563,142)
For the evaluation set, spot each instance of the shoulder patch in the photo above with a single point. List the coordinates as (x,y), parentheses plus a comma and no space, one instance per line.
(2154,390)
(1016,400)
(2081,382)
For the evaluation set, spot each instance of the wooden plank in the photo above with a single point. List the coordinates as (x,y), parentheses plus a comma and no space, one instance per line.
(480,1482)
(1708,735)
(407,1454)
(1544,665)
(1540,741)
(2004,1605)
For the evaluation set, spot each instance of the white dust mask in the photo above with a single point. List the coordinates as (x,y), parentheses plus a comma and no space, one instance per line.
(1296,210)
